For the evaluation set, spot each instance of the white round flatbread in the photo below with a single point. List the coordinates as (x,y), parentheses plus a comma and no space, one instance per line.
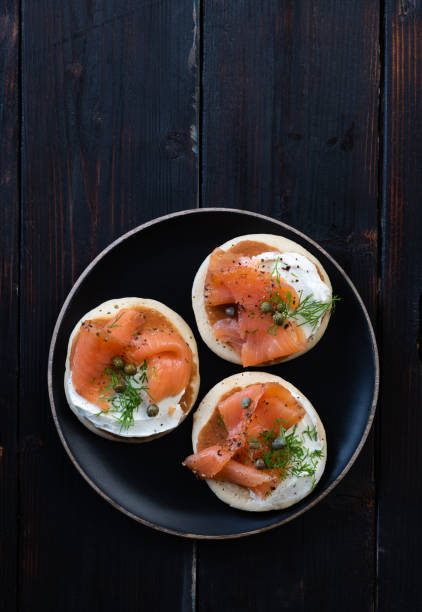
(109,309)
(289,491)
(223,349)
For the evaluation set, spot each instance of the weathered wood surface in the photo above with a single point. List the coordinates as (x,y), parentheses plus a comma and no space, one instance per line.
(9,298)
(108,111)
(290,129)
(114,113)
(400,453)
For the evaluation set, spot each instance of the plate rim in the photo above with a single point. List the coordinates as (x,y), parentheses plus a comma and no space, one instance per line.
(87,271)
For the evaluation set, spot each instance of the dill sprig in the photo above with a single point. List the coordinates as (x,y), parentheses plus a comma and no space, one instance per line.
(114,323)
(311,432)
(275,271)
(312,311)
(294,459)
(307,310)
(123,405)
(272,330)
(221,422)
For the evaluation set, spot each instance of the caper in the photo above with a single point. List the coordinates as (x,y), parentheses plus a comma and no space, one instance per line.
(278,443)
(152,410)
(246,402)
(230,311)
(120,386)
(118,363)
(266,307)
(253,442)
(278,318)
(280,308)
(130,369)
(260,464)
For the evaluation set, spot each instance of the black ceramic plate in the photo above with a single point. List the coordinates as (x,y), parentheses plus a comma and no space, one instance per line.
(159,260)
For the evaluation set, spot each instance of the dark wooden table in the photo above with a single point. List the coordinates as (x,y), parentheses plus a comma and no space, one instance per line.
(115,112)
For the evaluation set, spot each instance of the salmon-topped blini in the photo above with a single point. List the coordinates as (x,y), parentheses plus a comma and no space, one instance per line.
(261,299)
(258,442)
(132,371)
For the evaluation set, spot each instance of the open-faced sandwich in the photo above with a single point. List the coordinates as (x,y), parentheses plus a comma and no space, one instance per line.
(261,299)
(132,371)
(258,442)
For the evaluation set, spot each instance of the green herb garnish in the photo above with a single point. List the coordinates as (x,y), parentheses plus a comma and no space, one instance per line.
(122,405)
(294,459)
(272,330)
(114,324)
(311,311)
(311,432)
(221,422)
(276,271)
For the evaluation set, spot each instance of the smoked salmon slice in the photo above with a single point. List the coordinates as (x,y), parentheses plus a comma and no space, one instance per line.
(168,374)
(277,407)
(125,325)
(247,414)
(234,414)
(208,462)
(250,286)
(92,354)
(262,346)
(227,330)
(169,359)
(244,475)
(216,292)
(268,486)
(234,279)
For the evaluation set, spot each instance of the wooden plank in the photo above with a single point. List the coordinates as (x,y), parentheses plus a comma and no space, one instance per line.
(400,488)
(290,103)
(108,95)
(9,314)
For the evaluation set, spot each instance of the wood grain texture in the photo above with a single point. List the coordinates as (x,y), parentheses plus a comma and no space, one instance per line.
(109,140)
(290,129)
(400,489)
(9,315)
(108,113)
